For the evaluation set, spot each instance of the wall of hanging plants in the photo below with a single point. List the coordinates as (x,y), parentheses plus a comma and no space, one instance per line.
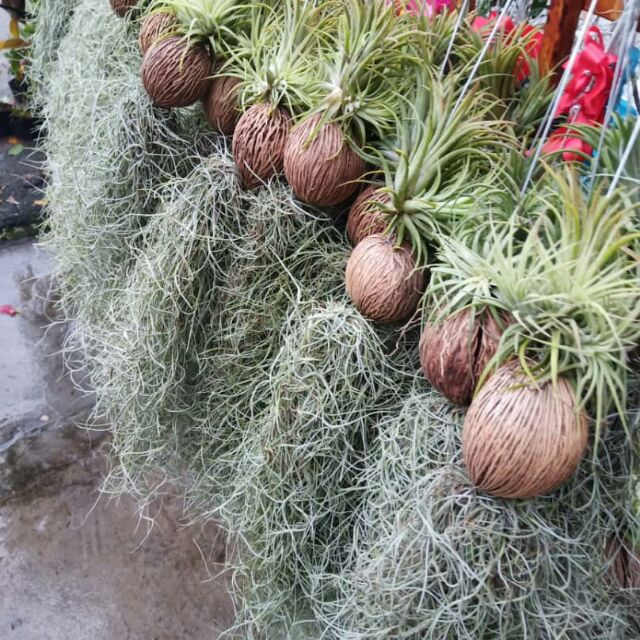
(351,277)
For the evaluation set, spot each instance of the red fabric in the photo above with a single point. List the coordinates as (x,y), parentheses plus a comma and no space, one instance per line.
(585,98)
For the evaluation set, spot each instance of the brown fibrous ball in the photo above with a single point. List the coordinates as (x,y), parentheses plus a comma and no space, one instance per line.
(175,72)
(523,439)
(382,280)
(258,143)
(455,352)
(220,104)
(123,7)
(623,571)
(155,26)
(365,218)
(321,167)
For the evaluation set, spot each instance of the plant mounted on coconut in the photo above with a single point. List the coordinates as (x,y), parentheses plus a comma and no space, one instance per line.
(364,67)
(220,23)
(276,65)
(570,292)
(444,163)
(445,158)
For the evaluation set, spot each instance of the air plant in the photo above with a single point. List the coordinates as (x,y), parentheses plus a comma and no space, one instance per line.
(568,284)
(362,62)
(618,153)
(276,63)
(220,23)
(447,156)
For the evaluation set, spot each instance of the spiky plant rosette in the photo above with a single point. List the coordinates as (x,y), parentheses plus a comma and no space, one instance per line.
(434,558)
(298,477)
(277,61)
(448,156)
(567,282)
(618,153)
(357,98)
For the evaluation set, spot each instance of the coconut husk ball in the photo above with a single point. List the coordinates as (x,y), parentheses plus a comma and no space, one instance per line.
(174,72)
(382,280)
(365,218)
(220,104)
(522,439)
(258,143)
(155,26)
(123,7)
(455,352)
(324,170)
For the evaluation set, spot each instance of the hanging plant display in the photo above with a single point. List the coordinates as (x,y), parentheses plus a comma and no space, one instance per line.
(455,352)
(155,26)
(383,280)
(523,439)
(240,318)
(222,105)
(175,72)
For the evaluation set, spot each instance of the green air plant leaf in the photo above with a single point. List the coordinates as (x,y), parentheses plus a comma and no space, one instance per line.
(447,158)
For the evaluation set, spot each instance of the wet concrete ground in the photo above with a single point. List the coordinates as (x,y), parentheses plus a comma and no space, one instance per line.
(74,565)
(5,91)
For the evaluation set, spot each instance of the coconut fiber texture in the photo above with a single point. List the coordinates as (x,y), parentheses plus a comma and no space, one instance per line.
(227,356)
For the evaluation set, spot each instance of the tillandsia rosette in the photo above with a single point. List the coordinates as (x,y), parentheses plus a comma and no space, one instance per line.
(276,65)
(447,157)
(364,58)
(618,153)
(563,290)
